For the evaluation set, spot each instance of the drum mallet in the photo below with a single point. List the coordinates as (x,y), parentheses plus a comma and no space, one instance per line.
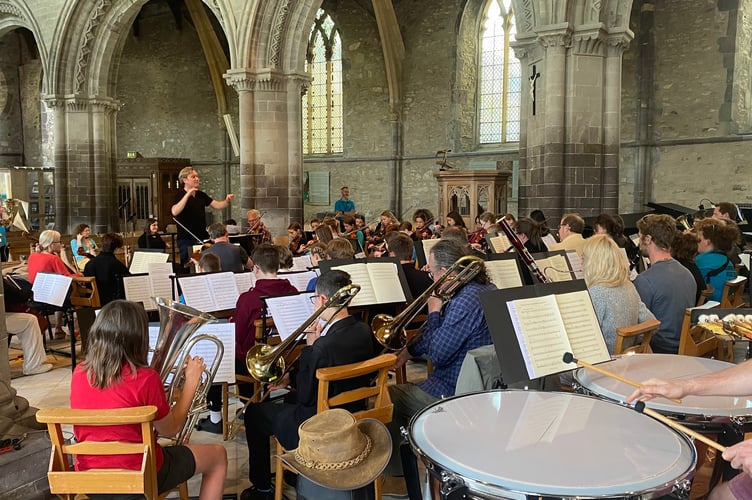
(569,358)
(640,407)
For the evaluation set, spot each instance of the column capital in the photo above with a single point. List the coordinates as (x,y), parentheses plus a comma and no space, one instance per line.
(525,45)
(588,39)
(262,79)
(75,102)
(617,41)
(555,35)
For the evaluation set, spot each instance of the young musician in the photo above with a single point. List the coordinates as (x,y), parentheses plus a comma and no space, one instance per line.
(82,246)
(716,239)
(477,238)
(423,220)
(451,330)
(247,311)
(454,218)
(107,270)
(352,232)
(115,374)
(734,381)
(151,237)
(298,239)
(188,210)
(347,340)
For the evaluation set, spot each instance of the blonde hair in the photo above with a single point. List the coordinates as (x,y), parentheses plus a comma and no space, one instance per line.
(47,238)
(604,262)
(185,172)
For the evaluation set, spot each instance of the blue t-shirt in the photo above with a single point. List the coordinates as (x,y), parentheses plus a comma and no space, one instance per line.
(2,236)
(707,262)
(344,205)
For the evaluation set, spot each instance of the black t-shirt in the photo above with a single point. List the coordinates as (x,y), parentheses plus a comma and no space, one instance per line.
(151,241)
(193,216)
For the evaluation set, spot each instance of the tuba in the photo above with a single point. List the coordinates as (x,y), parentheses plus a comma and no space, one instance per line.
(267,364)
(390,331)
(177,324)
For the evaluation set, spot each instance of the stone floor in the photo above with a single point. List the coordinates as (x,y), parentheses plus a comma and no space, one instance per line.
(53,389)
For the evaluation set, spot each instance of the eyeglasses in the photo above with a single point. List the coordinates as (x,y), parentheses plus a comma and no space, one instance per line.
(313,298)
(58,241)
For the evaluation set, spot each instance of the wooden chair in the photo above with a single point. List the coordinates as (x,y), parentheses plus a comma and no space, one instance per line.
(732,293)
(632,332)
(66,482)
(697,341)
(705,295)
(380,409)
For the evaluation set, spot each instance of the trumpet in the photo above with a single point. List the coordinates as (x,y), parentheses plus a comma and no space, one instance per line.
(390,331)
(177,324)
(266,364)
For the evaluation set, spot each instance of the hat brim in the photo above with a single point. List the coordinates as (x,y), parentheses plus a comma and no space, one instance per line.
(355,477)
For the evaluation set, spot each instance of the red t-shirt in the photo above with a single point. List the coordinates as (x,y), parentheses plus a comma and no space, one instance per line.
(40,262)
(143,389)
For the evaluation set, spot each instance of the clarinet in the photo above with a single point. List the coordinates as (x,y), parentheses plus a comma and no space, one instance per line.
(522,251)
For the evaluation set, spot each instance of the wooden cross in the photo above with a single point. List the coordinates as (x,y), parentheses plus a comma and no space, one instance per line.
(533,85)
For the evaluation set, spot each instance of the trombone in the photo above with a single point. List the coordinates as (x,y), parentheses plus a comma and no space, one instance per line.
(390,331)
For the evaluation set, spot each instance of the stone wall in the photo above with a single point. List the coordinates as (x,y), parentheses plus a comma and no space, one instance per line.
(11,128)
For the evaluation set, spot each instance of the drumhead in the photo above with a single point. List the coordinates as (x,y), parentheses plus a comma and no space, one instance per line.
(549,443)
(641,367)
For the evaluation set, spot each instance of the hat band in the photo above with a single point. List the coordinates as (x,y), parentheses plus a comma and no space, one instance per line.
(313,464)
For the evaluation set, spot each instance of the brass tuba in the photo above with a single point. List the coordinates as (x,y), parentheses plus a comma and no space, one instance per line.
(16,211)
(177,324)
(267,364)
(390,331)
(683,221)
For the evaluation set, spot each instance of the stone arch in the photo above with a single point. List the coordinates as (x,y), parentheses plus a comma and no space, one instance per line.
(91,41)
(275,34)
(14,15)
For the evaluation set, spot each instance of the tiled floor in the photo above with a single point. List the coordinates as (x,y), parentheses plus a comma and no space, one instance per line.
(53,389)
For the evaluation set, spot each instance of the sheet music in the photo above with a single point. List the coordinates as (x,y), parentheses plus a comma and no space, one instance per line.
(581,325)
(298,280)
(225,332)
(159,276)
(575,264)
(555,268)
(197,293)
(289,312)
(138,289)
(500,243)
(51,288)
(224,289)
(386,282)
(504,273)
(428,245)
(540,331)
(139,264)
(359,276)
(301,263)
(244,282)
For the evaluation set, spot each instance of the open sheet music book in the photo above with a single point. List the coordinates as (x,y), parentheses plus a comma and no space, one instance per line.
(207,350)
(141,260)
(498,242)
(298,279)
(504,273)
(554,265)
(533,326)
(289,311)
(423,249)
(214,291)
(382,280)
(301,263)
(549,326)
(144,287)
(575,264)
(51,288)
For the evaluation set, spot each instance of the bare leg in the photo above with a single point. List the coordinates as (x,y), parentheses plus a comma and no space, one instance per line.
(211,461)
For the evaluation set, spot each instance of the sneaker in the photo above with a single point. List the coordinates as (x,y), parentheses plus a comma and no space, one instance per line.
(43,368)
(253,494)
(205,424)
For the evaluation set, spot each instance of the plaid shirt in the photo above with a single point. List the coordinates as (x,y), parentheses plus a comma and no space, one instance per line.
(447,338)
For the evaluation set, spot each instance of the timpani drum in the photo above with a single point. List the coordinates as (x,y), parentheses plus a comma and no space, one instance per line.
(527,444)
(707,414)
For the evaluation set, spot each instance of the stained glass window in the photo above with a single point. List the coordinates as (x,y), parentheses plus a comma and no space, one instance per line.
(499,89)
(322,104)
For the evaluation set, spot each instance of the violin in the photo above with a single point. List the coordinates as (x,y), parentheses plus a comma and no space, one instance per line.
(84,253)
(478,238)
(197,255)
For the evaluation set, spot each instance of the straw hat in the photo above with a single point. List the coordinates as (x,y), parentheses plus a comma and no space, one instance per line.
(340,453)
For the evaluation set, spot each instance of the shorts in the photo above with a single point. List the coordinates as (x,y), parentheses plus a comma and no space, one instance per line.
(178,466)
(741,486)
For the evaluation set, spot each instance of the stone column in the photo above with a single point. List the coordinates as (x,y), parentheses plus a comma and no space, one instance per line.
(270,144)
(103,165)
(56,107)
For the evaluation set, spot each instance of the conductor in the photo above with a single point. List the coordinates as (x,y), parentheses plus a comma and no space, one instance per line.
(188,209)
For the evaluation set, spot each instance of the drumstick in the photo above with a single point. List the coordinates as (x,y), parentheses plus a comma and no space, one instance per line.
(640,407)
(569,358)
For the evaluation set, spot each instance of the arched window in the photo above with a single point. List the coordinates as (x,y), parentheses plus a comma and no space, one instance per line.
(322,104)
(500,75)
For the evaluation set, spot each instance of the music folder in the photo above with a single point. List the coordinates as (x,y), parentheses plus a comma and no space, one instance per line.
(533,326)
(505,270)
(554,265)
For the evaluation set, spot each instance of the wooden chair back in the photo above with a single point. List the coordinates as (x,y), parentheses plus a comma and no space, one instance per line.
(646,329)
(66,482)
(84,292)
(732,293)
(705,295)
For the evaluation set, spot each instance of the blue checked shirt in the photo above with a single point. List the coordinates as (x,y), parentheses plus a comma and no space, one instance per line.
(447,338)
